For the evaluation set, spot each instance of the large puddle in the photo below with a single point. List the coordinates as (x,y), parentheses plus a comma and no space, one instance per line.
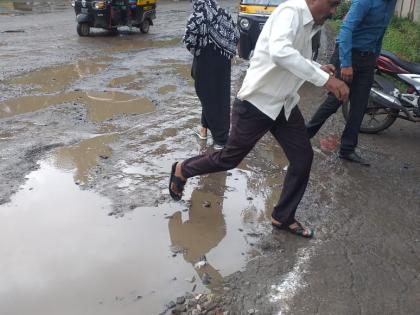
(122,44)
(101,105)
(84,156)
(63,254)
(55,79)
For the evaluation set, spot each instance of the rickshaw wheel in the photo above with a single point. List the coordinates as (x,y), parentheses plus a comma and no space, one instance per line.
(83,29)
(145,26)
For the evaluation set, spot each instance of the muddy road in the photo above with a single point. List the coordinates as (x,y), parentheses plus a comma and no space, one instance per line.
(88,130)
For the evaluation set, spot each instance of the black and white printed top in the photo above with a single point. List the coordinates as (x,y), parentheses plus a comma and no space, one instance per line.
(210,24)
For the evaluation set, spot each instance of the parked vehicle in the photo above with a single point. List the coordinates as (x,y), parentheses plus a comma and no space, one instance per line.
(251,19)
(386,101)
(111,14)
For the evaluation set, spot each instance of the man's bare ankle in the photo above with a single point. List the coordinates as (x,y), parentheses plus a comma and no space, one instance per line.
(178,172)
(203,132)
(275,221)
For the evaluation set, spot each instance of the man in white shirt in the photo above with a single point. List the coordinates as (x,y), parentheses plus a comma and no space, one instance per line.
(267,102)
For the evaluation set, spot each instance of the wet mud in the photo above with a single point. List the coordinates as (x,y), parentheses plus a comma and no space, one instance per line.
(89,128)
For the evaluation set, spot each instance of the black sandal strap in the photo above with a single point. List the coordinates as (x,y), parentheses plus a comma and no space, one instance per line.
(178,182)
(299,230)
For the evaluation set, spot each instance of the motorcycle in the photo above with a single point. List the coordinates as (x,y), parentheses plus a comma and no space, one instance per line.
(386,101)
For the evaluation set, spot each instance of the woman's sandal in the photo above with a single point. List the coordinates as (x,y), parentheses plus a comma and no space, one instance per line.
(299,230)
(178,182)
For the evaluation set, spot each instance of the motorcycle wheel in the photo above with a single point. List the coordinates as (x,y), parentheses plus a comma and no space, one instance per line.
(376,118)
(83,29)
(145,26)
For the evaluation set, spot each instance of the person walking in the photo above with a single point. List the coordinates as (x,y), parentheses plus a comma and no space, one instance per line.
(211,36)
(267,102)
(357,46)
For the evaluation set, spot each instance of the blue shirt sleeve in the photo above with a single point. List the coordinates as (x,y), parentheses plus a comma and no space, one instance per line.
(356,14)
(379,45)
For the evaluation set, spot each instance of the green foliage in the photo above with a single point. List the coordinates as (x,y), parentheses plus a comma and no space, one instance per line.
(402,37)
(342,10)
(335,25)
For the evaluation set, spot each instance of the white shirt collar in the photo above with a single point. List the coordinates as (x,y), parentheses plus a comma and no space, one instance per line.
(307,15)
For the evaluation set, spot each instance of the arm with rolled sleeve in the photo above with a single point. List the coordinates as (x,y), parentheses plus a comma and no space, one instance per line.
(283,54)
(356,14)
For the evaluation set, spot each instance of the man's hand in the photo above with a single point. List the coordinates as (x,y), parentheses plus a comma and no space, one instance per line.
(347,74)
(338,88)
(329,68)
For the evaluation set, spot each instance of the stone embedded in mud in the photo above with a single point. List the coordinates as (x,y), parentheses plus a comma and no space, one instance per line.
(170,305)
(254,234)
(206,278)
(177,249)
(209,306)
(200,264)
(206,204)
(179,309)
(191,303)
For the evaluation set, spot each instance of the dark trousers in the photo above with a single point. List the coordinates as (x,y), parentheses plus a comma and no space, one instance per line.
(248,126)
(363,71)
(211,72)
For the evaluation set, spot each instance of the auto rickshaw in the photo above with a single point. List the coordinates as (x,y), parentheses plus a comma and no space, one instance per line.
(251,19)
(111,14)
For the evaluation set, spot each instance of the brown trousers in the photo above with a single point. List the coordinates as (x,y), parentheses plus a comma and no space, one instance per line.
(248,126)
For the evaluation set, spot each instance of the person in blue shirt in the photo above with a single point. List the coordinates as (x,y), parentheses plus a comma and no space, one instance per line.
(357,46)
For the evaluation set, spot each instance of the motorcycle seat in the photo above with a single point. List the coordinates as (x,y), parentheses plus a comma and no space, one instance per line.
(411,67)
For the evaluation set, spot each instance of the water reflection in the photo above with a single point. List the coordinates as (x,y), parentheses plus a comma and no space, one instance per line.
(32,6)
(205,227)
(84,156)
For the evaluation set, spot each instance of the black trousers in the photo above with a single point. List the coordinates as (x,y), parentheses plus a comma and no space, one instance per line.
(248,126)
(363,71)
(211,72)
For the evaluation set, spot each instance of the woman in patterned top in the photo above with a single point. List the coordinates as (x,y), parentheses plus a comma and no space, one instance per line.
(211,36)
